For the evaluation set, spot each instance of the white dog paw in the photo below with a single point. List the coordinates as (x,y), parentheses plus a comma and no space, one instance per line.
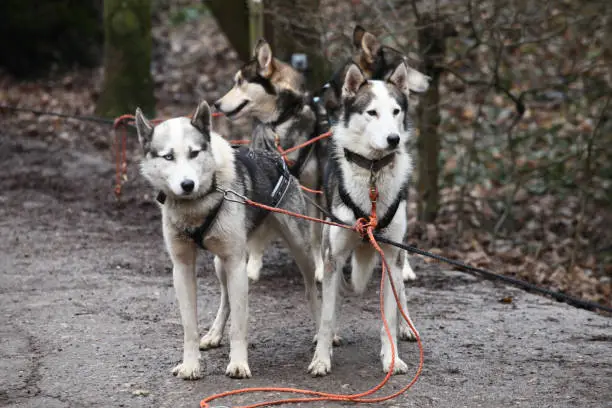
(319,366)
(405,333)
(210,340)
(188,370)
(254,269)
(399,367)
(407,272)
(238,370)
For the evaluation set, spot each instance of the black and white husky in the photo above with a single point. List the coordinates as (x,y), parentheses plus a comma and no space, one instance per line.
(192,167)
(272,93)
(378,62)
(368,143)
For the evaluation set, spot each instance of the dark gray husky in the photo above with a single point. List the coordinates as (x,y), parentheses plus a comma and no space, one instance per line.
(272,93)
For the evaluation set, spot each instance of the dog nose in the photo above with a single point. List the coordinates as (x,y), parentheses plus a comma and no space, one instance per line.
(393,140)
(187,186)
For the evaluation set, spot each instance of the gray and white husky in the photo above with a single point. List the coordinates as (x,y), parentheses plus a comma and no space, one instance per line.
(272,93)
(368,142)
(193,167)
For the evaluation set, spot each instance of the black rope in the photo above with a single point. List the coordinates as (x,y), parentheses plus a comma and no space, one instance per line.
(85,118)
(529,287)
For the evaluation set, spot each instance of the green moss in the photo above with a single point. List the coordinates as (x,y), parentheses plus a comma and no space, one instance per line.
(127,58)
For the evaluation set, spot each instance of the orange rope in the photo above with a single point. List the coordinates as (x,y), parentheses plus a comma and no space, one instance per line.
(309,142)
(310,190)
(365,228)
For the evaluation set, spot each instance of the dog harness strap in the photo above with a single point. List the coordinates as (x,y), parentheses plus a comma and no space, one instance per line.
(359,213)
(246,157)
(368,164)
(198,234)
(282,185)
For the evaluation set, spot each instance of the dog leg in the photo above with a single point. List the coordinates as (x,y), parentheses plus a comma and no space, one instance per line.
(338,242)
(407,272)
(214,336)
(405,333)
(296,236)
(316,231)
(183,256)
(237,288)
(258,243)
(390,308)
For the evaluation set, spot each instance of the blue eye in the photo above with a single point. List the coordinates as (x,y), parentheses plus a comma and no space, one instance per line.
(168,156)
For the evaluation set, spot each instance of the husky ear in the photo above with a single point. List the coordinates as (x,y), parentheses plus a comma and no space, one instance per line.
(417,81)
(352,81)
(263,54)
(358,33)
(400,78)
(144,128)
(202,119)
(369,47)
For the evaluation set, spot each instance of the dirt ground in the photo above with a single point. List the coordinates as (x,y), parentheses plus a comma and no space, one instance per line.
(89,316)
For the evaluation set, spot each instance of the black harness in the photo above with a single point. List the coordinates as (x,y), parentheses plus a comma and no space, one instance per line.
(245,157)
(374,166)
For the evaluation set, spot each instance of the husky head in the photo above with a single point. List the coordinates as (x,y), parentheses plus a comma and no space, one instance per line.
(260,86)
(374,115)
(376,61)
(177,155)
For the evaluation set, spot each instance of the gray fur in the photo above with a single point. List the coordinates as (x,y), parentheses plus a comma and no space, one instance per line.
(271,93)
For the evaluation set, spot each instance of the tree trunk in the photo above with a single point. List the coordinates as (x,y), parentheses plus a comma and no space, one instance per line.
(127,58)
(233,19)
(432,45)
(295,22)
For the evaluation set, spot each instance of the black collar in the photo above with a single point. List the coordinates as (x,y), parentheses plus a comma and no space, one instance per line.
(290,105)
(282,118)
(368,164)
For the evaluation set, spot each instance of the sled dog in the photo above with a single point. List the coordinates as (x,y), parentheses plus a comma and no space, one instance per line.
(272,93)
(377,61)
(198,176)
(368,146)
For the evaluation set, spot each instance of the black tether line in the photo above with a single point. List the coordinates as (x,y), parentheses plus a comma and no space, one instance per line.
(530,287)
